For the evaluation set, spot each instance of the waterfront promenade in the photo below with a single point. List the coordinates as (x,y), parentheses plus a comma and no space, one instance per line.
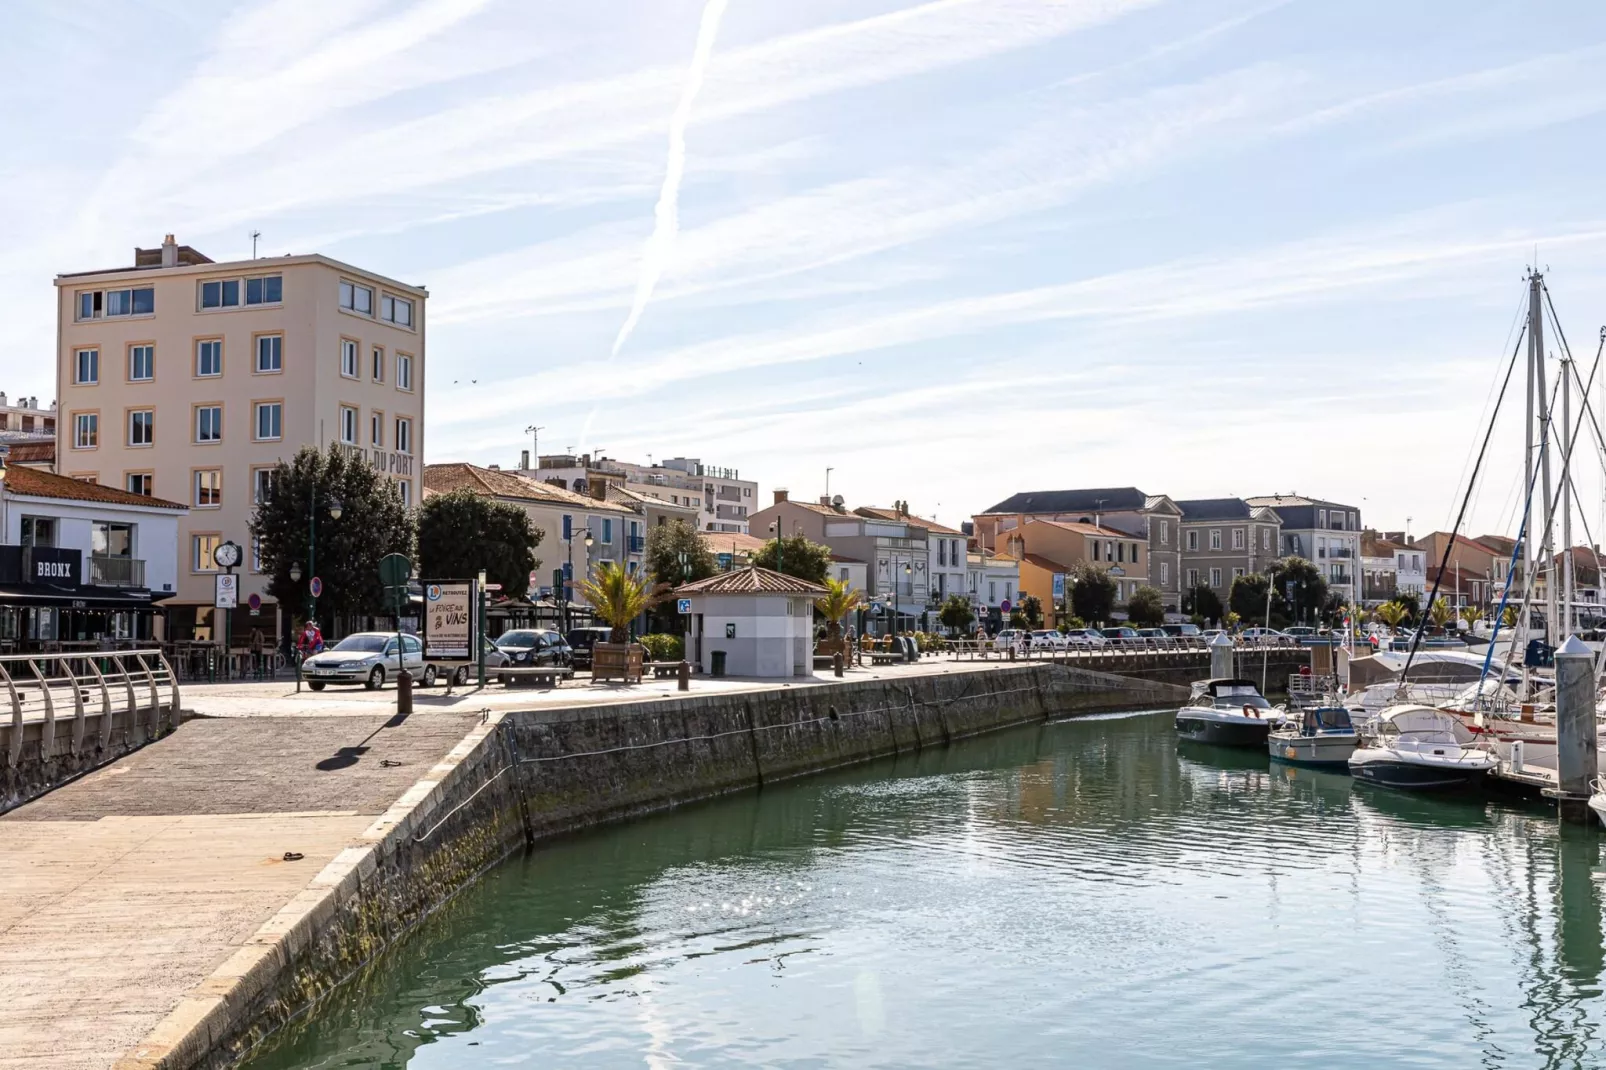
(141,899)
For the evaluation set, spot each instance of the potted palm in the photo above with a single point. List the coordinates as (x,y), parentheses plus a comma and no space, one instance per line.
(839,601)
(617,598)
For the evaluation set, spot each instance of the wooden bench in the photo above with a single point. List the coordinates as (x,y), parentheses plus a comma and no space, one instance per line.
(549,675)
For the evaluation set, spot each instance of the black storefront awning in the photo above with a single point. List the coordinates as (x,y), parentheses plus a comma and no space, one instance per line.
(33,594)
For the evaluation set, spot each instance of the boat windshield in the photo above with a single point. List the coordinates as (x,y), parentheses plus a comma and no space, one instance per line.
(1328,719)
(1235,702)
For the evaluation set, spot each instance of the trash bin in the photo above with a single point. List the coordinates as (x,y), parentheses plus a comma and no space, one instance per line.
(716,663)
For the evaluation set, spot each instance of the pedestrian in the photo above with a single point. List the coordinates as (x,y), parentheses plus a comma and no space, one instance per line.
(257,643)
(311,641)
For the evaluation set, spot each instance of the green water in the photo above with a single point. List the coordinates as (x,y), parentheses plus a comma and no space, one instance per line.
(1080,894)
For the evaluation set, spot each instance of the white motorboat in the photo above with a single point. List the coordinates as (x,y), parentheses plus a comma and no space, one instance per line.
(1320,736)
(1229,713)
(1597,800)
(1422,749)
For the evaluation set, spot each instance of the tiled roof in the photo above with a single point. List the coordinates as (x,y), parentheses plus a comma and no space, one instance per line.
(37,483)
(751,580)
(910,519)
(1048,564)
(1103,499)
(815,507)
(1214,509)
(848,560)
(443,478)
(724,542)
(32,452)
(625,494)
(1087,529)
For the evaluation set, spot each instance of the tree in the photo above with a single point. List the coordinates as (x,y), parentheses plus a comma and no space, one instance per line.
(462,532)
(1203,601)
(1508,617)
(839,601)
(1472,615)
(1310,587)
(798,557)
(1247,598)
(1412,604)
(1031,607)
(1392,614)
(1145,609)
(665,545)
(373,522)
(618,598)
(956,613)
(1440,612)
(1092,592)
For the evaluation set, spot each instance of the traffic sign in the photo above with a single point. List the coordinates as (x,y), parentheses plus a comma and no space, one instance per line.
(1004,605)
(492,587)
(315,585)
(226,590)
(254,600)
(683,605)
(394,570)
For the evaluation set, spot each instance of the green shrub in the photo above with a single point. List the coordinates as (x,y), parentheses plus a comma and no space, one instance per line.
(664,647)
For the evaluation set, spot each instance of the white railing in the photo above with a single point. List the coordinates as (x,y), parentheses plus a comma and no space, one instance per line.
(43,689)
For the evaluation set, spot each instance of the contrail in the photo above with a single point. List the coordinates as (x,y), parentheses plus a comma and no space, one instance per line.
(666,215)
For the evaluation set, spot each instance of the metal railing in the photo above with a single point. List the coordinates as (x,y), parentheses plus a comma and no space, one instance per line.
(108,571)
(46,688)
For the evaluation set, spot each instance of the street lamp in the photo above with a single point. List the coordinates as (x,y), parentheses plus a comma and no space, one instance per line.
(589,541)
(335,509)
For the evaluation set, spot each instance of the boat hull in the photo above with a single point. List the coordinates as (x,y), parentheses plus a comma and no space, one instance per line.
(1397,772)
(1597,803)
(1329,750)
(1244,732)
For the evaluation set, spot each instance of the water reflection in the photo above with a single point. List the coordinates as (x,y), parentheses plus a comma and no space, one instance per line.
(1077,892)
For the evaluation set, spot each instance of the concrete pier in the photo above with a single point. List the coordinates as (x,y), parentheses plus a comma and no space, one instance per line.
(173,908)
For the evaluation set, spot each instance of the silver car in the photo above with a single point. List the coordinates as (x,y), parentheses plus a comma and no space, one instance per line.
(367,658)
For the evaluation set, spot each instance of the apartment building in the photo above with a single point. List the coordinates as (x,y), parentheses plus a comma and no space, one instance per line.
(25,419)
(1049,551)
(723,501)
(190,380)
(1224,538)
(1325,533)
(1154,518)
(945,547)
(728,499)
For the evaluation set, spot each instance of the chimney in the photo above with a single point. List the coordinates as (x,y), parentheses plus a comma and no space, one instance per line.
(524,460)
(169,251)
(599,489)
(780,495)
(825,499)
(2,397)
(494,467)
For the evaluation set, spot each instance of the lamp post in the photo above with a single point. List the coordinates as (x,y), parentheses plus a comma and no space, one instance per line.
(775,529)
(295,652)
(589,540)
(335,509)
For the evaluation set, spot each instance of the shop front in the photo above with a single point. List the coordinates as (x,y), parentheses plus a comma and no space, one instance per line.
(45,605)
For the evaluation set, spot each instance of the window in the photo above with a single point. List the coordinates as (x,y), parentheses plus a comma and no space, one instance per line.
(269,420)
(1237,538)
(1215,538)
(376,428)
(1321,518)
(138,483)
(262,483)
(406,489)
(209,357)
(1165,573)
(1215,577)
(85,430)
(86,367)
(141,427)
(1165,533)
(265,290)
(1237,572)
(201,549)
(378,365)
(1134,553)
(397,310)
(209,423)
(220,293)
(1120,551)
(356,298)
(38,531)
(404,435)
(404,372)
(256,553)
(568,527)
(270,353)
(136,301)
(348,425)
(1354,524)
(1265,538)
(607,531)
(1193,577)
(348,358)
(1193,540)
(208,487)
(141,364)
(112,540)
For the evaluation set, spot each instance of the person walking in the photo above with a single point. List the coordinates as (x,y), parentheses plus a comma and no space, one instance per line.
(311,641)
(257,643)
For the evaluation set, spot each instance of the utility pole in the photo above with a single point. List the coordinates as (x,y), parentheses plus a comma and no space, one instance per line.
(535,444)
(255,234)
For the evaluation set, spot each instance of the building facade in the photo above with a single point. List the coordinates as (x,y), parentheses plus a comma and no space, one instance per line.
(190,380)
(1224,538)
(722,500)
(1327,534)
(1049,552)
(24,419)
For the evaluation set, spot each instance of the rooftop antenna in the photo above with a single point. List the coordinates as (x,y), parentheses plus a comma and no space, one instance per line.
(1098,506)
(535,442)
(828,472)
(255,234)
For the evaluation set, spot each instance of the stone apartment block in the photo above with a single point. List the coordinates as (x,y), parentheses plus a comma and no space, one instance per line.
(190,380)
(1224,538)
(1327,534)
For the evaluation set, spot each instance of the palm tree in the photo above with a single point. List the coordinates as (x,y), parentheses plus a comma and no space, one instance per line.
(618,598)
(1472,615)
(1392,614)
(839,601)
(1508,619)
(1440,612)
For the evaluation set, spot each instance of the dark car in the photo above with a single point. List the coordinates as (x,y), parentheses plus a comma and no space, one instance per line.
(581,640)
(526,647)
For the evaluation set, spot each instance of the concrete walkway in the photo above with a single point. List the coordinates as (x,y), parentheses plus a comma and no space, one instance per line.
(124,891)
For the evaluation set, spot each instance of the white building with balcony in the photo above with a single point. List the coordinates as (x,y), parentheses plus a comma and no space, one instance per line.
(81,563)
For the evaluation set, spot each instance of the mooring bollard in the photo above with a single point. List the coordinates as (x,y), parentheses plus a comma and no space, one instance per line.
(683,675)
(404,692)
(836,662)
(1576,763)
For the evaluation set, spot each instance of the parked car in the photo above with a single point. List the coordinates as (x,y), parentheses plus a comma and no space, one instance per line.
(1085,637)
(581,640)
(1043,639)
(534,648)
(1300,632)
(1265,637)
(1010,637)
(367,658)
(1183,631)
(1154,637)
(1127,637)
(1209,635)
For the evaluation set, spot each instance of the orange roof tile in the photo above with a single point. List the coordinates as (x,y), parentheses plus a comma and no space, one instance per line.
(37,483)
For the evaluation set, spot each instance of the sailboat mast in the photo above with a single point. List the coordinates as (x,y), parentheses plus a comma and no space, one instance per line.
(1529,558)
(1548,549)
(1566,501)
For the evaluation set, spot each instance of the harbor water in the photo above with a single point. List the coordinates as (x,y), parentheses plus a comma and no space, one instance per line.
(1085,893)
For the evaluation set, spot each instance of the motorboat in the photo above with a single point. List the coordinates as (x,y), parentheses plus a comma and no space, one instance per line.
(1323,735)
(1226,712)
(1422,749)
(1597,798)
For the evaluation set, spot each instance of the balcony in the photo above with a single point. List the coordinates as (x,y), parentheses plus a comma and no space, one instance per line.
(635,544)
(105,571)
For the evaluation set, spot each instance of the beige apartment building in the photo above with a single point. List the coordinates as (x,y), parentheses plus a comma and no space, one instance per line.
(190,380)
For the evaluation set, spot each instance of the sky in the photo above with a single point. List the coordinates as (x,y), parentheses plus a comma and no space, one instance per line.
(951,250)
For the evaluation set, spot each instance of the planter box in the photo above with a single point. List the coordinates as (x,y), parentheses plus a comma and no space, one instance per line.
(618,661)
